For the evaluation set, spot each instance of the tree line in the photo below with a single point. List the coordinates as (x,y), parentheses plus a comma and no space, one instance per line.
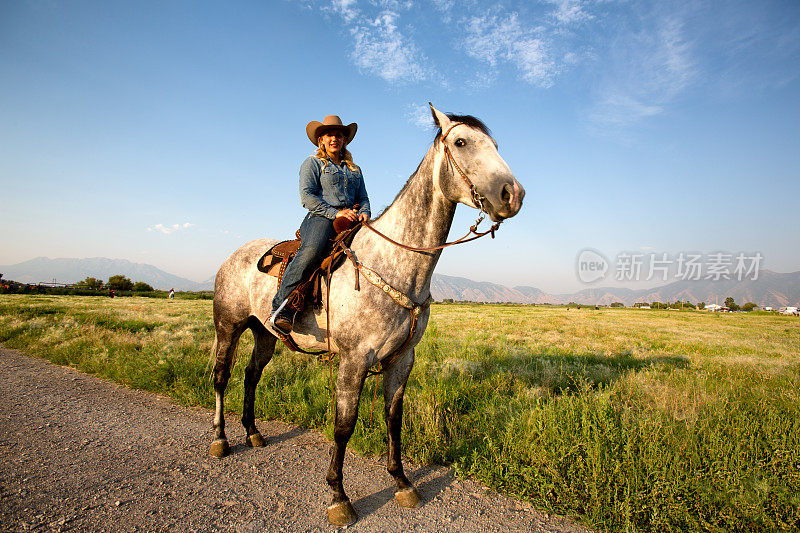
(115,283)
(730,303)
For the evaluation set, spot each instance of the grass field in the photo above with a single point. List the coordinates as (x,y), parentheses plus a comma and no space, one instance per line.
(634,420)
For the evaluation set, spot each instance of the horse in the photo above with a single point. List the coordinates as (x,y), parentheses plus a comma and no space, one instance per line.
(366,325)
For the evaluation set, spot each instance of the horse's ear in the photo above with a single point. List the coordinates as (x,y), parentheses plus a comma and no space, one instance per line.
(439,118)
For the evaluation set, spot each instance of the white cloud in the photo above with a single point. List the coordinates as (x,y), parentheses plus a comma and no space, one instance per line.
(390,38)
(445,9)
(622,110)
(646,71)
(569,11)
(419,115)
(382,49)
(380,45)
(495,40)
(166,230)
(346,8)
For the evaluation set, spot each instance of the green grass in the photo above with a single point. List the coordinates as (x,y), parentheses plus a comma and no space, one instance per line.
(634,420)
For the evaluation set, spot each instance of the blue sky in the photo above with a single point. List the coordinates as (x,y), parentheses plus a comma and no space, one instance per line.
(172,132)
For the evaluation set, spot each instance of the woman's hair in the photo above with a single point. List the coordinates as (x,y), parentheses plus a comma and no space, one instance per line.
(347,157)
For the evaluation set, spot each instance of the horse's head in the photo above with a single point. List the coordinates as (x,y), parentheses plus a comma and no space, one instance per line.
(477,174)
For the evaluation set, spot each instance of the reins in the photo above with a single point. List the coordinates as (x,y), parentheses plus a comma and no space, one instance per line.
(477,198)
(473,230)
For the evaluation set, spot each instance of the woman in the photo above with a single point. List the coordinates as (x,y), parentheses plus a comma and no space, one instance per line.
(330,185)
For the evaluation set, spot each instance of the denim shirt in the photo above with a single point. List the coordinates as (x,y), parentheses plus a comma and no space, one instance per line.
(326,187)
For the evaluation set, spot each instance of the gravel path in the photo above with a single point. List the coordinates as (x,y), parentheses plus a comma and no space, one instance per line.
(81,453)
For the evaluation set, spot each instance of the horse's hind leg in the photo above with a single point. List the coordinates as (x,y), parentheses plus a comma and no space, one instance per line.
(263,349)
(394,386)
(227,339)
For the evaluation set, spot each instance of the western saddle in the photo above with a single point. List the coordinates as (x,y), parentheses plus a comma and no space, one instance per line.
(275,260)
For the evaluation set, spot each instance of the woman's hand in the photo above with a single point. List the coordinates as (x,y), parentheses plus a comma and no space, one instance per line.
(349,214)
(363,217)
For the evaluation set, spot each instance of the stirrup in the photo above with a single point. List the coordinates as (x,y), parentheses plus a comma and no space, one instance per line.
(274,329)
(272,326)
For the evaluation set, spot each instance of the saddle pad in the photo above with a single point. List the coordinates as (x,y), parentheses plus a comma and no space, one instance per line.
(270,262)
(284,248)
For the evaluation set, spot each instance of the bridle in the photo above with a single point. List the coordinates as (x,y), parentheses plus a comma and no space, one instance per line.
(477,198)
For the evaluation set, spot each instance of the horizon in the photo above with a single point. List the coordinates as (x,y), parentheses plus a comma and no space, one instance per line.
(172,134)
(592,286)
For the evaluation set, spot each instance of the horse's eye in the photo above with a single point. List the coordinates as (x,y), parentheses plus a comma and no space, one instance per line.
(460,142)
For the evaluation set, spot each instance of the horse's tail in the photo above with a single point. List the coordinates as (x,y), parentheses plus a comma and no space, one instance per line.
(212,355)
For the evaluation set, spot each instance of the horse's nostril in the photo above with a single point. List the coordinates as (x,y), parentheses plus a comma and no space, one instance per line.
(506,193)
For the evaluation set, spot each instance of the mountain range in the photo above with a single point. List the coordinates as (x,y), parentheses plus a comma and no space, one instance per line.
(769,289)
(68,270)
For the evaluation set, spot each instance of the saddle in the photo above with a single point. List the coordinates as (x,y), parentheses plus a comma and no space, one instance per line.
(276,259)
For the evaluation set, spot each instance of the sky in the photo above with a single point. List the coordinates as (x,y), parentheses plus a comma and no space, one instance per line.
(170,133)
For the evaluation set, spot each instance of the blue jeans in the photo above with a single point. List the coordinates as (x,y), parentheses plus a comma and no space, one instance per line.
(315,242)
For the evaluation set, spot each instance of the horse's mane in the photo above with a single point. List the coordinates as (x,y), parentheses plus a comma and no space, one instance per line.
(467,120)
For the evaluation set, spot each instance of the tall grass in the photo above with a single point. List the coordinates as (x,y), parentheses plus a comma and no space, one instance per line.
(635,420)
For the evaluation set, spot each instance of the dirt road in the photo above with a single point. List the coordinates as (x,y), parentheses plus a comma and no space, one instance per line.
(81,453)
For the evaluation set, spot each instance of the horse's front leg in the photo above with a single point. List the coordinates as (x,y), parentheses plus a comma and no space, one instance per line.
(394,386)
(349,383)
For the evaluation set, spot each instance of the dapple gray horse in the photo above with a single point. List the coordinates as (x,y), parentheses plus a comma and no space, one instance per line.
(366,325)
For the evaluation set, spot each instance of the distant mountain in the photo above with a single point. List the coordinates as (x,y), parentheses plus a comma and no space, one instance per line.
(43,269)
(463,289)
(770,289)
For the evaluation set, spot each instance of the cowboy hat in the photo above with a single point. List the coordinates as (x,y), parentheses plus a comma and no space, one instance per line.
(331,122)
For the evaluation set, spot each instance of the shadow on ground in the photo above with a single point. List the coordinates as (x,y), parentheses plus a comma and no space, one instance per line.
(428,490)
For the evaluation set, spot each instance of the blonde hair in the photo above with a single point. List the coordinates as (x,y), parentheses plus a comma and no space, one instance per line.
(346,156)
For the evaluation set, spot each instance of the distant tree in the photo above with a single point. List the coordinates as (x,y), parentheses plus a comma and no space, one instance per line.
(641,304)
(617,304)
(119,283)
(749,306)
(701,305)
(448,300)
(690,305)
(141,286)
(90,283)
(658,305)
(730,303)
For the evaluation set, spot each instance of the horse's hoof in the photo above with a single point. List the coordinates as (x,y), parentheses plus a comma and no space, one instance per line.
(342,514)
(219,448)
(255,440)
(408,498)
